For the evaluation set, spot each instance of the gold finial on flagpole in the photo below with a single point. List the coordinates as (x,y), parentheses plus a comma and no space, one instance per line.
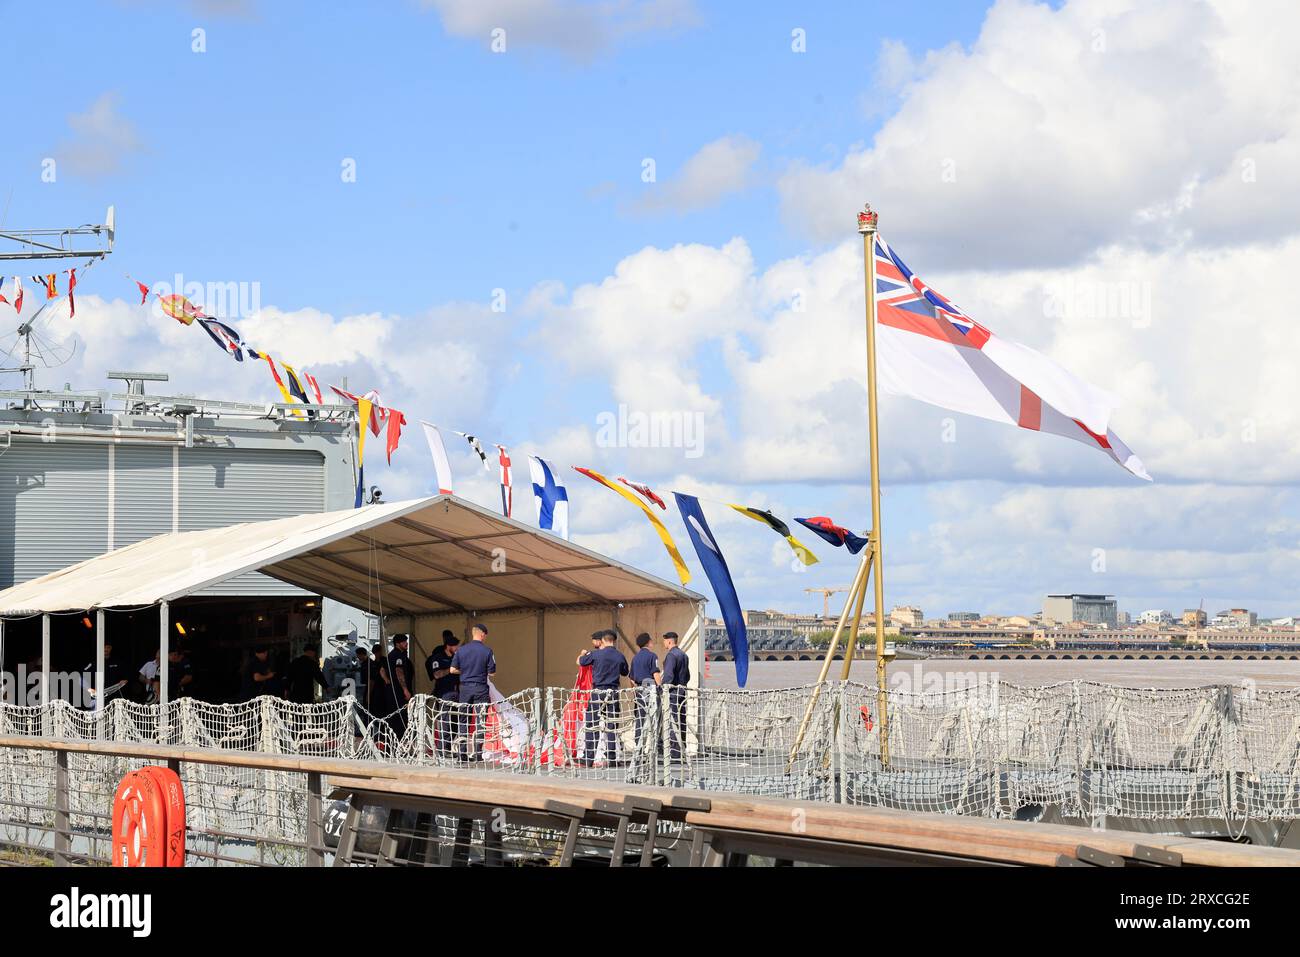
(867,220)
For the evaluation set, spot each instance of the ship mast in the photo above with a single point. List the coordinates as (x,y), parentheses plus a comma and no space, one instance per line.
(88,242)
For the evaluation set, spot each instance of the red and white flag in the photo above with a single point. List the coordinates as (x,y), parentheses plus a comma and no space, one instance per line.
(315,387)
(378,411)
(930,350)
(645,491)
(507,490)
(17,300)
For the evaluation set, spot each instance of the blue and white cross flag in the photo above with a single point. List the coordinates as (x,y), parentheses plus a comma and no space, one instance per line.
(551,497)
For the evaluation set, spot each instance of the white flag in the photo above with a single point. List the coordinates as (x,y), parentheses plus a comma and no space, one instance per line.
(550,496)
(440,464)
(930,350)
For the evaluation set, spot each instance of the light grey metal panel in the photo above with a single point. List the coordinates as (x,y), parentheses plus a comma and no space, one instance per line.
(230,485)
(142,493)
(53,507)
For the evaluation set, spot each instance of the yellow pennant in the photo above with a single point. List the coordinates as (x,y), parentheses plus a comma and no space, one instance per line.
(363,418)
(683,572)
(279,384)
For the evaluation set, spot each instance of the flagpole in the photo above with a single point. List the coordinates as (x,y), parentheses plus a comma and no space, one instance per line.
(868,221)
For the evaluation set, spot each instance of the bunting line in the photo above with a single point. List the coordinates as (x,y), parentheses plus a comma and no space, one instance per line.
(550,496)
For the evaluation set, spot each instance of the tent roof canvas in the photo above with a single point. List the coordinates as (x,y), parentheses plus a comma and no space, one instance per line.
(424,556)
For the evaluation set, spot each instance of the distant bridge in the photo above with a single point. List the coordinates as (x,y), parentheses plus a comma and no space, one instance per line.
(1186,654)
(1041,654)
(802,654)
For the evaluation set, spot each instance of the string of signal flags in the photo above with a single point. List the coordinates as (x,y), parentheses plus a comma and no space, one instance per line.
(13,293)
(550,495)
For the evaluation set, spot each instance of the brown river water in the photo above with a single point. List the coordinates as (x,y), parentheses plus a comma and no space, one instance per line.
(960,672)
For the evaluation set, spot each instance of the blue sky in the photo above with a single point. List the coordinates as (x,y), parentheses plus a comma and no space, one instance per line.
(475,171)
(522,171)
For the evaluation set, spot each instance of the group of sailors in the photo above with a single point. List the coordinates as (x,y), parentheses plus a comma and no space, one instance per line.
(608,669)
(145,686)
(261,676)
(460,673)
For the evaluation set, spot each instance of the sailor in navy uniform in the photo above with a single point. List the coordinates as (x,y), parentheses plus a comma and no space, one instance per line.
(432,664)
(675,677)
(645,665)
(114,678)
(362,689)
(608,667)
(401,672)
(473,663)
(446,688)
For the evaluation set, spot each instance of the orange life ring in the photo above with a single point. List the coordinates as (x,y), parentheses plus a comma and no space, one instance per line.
(139,821)
(173,795)
(149,819)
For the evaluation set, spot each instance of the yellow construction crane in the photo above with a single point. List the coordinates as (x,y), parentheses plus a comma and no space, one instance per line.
(826,597)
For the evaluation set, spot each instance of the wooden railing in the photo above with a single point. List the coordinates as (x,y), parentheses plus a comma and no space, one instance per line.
(439,815)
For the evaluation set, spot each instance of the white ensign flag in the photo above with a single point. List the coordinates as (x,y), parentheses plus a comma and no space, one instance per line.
(929,349)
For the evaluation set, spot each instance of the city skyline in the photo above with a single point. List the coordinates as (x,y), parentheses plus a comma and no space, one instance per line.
(1177,615)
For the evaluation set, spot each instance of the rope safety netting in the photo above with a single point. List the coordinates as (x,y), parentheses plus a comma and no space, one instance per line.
(1090,750)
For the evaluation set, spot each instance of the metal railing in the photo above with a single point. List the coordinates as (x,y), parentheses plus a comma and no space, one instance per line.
(1087,750)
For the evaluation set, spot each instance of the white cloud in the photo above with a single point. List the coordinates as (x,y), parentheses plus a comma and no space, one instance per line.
(717,170)
(639,328)
(576,28)
(1157,546)
(101,140)
(1061,131)
(895,65)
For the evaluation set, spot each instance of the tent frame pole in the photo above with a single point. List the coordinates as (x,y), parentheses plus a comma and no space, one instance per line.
(164,667)
(45,659)
(541,647)
(100,667)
